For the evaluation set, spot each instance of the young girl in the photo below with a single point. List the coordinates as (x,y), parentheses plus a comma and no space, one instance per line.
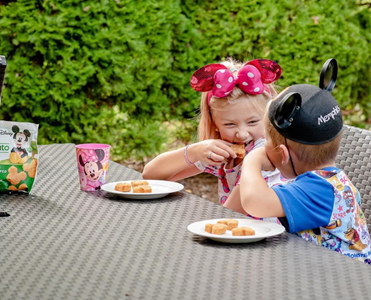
(233,103)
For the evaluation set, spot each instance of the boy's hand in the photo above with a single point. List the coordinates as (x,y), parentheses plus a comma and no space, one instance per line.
(212,152)
(258,157)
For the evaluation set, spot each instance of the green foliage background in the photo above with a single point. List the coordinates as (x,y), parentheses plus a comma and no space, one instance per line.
(118,72)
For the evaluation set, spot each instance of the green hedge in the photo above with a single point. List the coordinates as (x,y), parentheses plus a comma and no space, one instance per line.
(117,71)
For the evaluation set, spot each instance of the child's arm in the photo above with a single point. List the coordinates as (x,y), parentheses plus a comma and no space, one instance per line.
(234,201)
(169,166)
(173,165)
(257,198)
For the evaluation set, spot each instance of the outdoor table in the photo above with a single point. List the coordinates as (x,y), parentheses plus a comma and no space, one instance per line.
(63,243)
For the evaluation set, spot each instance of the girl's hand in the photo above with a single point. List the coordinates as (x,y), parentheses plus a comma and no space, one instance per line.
(212,152)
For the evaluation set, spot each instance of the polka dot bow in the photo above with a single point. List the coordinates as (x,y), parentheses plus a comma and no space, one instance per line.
(89,156)
(251,78)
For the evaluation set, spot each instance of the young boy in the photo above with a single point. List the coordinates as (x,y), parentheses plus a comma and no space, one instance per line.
(303,128)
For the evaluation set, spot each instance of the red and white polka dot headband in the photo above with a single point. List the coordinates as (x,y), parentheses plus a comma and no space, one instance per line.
(251,78)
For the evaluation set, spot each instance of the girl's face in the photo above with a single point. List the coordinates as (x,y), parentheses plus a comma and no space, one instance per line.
(239,124)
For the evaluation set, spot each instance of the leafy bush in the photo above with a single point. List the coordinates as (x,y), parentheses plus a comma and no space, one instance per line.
(116,71)
(71,67)
(300,35)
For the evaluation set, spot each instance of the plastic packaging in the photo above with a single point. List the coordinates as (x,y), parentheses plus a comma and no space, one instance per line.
(18,156)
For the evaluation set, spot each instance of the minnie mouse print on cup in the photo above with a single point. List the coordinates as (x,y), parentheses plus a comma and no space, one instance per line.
(92,163)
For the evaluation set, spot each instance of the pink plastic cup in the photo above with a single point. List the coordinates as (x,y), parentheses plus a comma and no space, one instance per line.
(92,164)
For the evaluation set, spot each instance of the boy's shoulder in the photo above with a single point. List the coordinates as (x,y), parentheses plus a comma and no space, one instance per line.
(325,173)
(328,172)
(317,181)
(333,175)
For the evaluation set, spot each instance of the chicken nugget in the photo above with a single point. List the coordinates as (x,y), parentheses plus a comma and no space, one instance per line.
(209,228)
(239,149)
(142,189)
(123,187)
(138,182)
(237,232)
(23,186)
(223,222)
(248,231)
(219,229)
(232,224)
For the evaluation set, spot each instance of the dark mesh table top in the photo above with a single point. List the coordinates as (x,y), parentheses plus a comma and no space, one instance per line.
(63,243)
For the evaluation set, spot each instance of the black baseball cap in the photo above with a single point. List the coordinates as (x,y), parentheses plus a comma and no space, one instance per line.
(308,114)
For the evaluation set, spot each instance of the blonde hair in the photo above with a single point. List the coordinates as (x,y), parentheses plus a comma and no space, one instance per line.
(206,127)
(311,155)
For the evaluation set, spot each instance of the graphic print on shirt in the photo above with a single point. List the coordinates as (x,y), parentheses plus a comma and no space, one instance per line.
(347,230)
(349,199)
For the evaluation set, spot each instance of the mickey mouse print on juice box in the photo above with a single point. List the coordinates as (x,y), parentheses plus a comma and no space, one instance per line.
(18,156)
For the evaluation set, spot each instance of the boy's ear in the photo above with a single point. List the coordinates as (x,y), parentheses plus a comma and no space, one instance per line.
(285,155)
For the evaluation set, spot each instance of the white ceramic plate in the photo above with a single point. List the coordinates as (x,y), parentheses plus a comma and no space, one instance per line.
(160,188)
(263,229)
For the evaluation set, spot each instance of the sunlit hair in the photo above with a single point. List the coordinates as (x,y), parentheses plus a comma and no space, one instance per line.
(258,103)
(311,155)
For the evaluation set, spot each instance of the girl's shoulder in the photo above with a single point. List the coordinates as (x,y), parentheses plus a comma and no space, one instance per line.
(257,144)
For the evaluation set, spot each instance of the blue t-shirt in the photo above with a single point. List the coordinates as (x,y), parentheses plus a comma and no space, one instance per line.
(323,207)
